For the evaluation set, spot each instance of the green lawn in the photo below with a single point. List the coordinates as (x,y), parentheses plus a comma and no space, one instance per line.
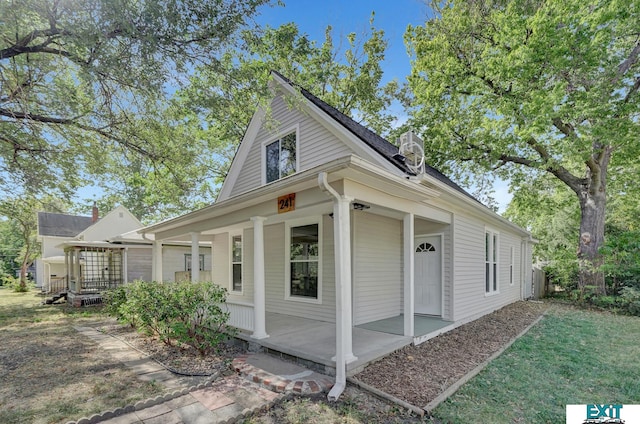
(570,357)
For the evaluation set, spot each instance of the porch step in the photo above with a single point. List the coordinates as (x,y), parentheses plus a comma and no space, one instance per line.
(279,375)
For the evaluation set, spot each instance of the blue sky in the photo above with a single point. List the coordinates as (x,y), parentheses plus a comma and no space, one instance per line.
(346,16)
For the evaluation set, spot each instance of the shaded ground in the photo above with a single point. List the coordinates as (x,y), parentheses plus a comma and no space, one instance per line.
(418,374)
(48,373)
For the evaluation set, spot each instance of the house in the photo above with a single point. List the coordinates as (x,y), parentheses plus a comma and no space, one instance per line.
(337,247)
(53,229)
(83,256)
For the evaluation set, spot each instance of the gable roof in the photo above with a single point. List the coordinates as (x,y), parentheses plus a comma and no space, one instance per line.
(383,147)
(62,225)
(110,225)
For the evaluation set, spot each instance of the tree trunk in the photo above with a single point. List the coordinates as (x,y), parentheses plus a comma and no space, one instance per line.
(593,200)
(592,208)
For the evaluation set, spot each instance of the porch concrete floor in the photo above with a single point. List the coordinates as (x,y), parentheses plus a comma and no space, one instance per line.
(315,341)
(423,325)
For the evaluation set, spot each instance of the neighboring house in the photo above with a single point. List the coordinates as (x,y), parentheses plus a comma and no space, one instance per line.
(53,229)
(82,256)
(337,247)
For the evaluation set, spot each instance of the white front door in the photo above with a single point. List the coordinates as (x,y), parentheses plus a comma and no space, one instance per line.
(428,275)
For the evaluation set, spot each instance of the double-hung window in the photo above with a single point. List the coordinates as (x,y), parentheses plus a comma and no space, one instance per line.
(236,263)
(280,157)
(491,261)
(304,261)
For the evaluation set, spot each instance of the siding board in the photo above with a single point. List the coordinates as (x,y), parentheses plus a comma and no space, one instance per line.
(377,270)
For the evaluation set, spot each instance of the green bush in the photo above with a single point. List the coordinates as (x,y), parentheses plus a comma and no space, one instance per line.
(631,300)
(187,313)
(15,285)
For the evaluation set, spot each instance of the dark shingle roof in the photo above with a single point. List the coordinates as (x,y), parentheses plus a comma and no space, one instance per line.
(62,225)
(373,140)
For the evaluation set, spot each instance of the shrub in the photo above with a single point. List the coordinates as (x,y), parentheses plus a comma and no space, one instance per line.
(631,300)
(185,312)
(15,284)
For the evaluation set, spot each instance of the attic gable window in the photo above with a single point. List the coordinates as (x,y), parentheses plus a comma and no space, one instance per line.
(280,157)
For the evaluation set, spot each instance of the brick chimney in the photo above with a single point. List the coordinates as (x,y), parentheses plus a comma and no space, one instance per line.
(94,213)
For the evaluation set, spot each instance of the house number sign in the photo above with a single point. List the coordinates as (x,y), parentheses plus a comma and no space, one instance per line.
(287,203)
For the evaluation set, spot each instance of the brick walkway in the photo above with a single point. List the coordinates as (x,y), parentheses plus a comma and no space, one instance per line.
(191,400)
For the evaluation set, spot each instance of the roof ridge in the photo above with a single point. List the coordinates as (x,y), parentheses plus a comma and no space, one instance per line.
(378,143)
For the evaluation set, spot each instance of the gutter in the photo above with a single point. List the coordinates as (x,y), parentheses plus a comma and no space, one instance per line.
(341,363)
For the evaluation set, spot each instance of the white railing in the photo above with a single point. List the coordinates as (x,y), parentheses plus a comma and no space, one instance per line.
(241,315)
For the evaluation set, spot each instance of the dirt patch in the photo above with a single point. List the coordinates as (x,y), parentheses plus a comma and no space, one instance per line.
(418,374)
(180,359)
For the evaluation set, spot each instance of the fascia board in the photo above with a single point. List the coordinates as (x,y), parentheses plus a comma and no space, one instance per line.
(476,207)
(241,154)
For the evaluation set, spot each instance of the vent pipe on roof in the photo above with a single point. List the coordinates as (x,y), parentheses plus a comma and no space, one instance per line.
(94,213)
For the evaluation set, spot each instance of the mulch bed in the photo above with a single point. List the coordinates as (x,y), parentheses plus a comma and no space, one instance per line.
(418,374)
(180,359)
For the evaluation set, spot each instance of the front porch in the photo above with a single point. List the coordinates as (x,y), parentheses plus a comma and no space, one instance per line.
(91,269)
(312,343)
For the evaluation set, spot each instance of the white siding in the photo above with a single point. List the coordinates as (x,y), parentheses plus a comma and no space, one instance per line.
(317,145)
(377,271)
(275,244)
(469,268)
(138,264)
(173,260)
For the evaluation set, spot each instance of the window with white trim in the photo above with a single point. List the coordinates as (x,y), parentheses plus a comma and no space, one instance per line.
(236,263)
(491,261)
(511,265)
(280,157)
(303,259)
(187,262)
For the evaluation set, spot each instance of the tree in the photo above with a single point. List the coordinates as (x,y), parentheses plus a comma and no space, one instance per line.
(528,87)
(350,80)
(80,78)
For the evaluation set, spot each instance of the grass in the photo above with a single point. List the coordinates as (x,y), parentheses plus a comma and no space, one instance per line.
(572,357)
(48,373)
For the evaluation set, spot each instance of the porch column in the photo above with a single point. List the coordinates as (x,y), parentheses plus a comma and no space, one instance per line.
(259,310)
(67,269)
(213,242)
(342,243)
(76,270)
(195,256)
(156,261)
(409,271)
(125,266)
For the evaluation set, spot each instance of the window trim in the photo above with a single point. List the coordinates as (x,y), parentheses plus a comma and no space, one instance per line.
(512,265)
(231,262)
(263,151)
(188,255)
(494,259)
(287,258)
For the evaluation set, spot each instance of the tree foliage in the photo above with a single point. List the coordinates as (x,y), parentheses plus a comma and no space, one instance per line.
(524,88)
(348,78)
(83,83)
(21,227)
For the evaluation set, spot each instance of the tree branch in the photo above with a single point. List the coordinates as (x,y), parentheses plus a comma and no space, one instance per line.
(565,128)
(627,63)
